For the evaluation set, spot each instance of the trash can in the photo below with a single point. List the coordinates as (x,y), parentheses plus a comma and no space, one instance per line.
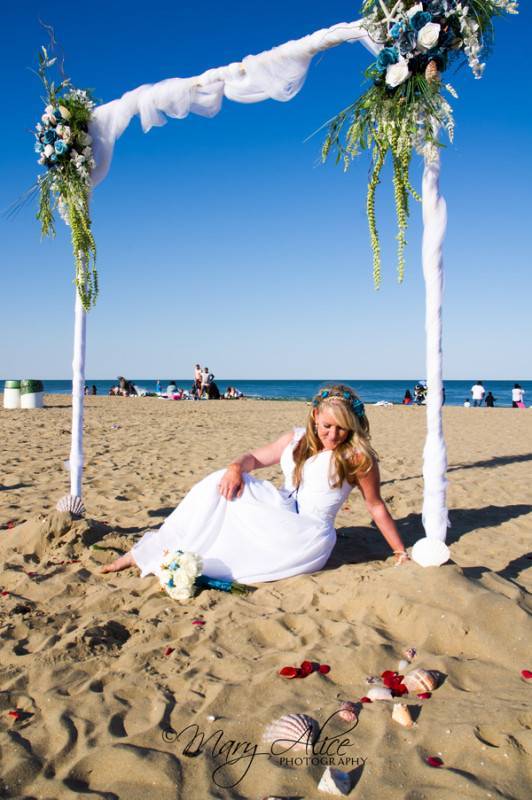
(12,394)
(31,394)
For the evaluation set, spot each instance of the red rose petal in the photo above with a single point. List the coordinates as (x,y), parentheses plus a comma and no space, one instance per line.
(31,574)
(307,667)
(168,651)
(527,674)
(366,700)
(324,669)
(198,622)
(15,714)
(434,761)
(399,690)
(5,594)
(289,672)
(10,524)
(74,561)
(424,695)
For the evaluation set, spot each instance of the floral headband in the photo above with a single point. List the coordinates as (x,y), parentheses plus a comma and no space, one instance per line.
(356,405)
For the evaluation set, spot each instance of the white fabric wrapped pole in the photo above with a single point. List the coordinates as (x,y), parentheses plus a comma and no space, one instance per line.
(276,74)
(432,550)
(72,502)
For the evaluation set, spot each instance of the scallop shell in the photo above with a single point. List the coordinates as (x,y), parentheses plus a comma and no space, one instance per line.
(348,711)
(401,714)
(292,732)
(380,693)
(421,680)
(334,781)
(72,504)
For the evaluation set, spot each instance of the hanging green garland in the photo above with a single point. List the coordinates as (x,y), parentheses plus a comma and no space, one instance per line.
(64,147)
(404,108)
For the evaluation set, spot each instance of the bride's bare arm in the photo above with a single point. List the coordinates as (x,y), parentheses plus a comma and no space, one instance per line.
(369,485)
(232,484)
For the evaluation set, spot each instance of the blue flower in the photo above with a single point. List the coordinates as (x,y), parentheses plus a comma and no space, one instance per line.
(173,566)
(387,56)
(325,394)
(397,30)
(420,19)
(38,147)
(57,114)
(358,407)
(439,7)
(49,136)
(53,158)
(60,147)
(171,583)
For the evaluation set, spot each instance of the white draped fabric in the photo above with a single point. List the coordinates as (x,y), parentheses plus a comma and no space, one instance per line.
(279,74)
(276,74)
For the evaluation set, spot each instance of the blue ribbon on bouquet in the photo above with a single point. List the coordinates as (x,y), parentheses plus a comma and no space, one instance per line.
(204,582)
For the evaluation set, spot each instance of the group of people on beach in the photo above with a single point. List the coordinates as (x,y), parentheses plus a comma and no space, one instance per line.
(204,387)
(479,396)
(123,388)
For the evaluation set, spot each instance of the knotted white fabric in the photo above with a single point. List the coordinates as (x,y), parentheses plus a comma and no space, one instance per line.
(432,551)
(276,74)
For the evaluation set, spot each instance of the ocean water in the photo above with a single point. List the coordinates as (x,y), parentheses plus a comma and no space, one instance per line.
(369,391)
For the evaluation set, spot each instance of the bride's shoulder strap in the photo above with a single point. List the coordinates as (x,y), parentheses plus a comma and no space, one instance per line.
(298,435)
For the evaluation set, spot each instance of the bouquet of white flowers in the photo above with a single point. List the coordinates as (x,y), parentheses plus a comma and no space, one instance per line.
(180,576)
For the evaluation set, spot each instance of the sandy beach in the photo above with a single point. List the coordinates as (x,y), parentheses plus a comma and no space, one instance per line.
(102,674)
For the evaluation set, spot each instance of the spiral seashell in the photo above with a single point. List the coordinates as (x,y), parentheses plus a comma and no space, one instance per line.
(348,711)
(421,680)
(380,693)
(431,72)
(410,654)
(401,714)
(292,732)
(71,503)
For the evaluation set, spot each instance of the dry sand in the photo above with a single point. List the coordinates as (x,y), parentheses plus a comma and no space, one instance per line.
(83,655)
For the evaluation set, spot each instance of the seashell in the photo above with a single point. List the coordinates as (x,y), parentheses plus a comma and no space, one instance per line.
(421,680)
(380,693)
(348,711)
(374,679)
(401,714)
(292,732)
(431,72)
(410,654)
(334,781)
(71,503)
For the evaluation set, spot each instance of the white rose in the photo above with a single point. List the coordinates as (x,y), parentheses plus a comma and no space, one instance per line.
(48,150)
(49,110)
(86,138)
(397,73)
(65,113)
(190,564)
(41,160)
(46,119)
(428,36)
(411,11)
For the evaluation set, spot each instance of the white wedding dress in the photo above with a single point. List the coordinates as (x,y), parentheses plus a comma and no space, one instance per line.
(264,535)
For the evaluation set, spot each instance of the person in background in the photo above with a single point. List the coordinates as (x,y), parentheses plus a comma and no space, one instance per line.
(171,388)
(407,399)
(228,394)
(158,386)
(86,391)
(204,381)
(477,393)
(467,403)
(94,390)
(517,396)
(490,400)
(443,395)
(213,393)
(197,377)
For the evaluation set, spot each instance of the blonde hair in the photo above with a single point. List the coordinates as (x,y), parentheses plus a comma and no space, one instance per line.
(353,457)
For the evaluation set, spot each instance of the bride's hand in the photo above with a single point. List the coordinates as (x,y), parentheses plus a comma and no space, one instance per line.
(231,485)
(401,557)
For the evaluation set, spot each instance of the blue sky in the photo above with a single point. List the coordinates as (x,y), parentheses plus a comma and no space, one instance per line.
(225,241)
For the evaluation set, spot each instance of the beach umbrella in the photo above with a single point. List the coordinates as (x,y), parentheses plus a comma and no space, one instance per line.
(408,39)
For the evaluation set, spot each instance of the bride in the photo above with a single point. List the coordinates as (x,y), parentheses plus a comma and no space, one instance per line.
(247,530)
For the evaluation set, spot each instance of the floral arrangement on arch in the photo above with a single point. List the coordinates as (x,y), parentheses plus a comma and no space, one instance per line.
(404,108)
(63,144)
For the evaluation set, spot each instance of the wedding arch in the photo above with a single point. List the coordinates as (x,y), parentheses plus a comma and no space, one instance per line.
(402,112)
